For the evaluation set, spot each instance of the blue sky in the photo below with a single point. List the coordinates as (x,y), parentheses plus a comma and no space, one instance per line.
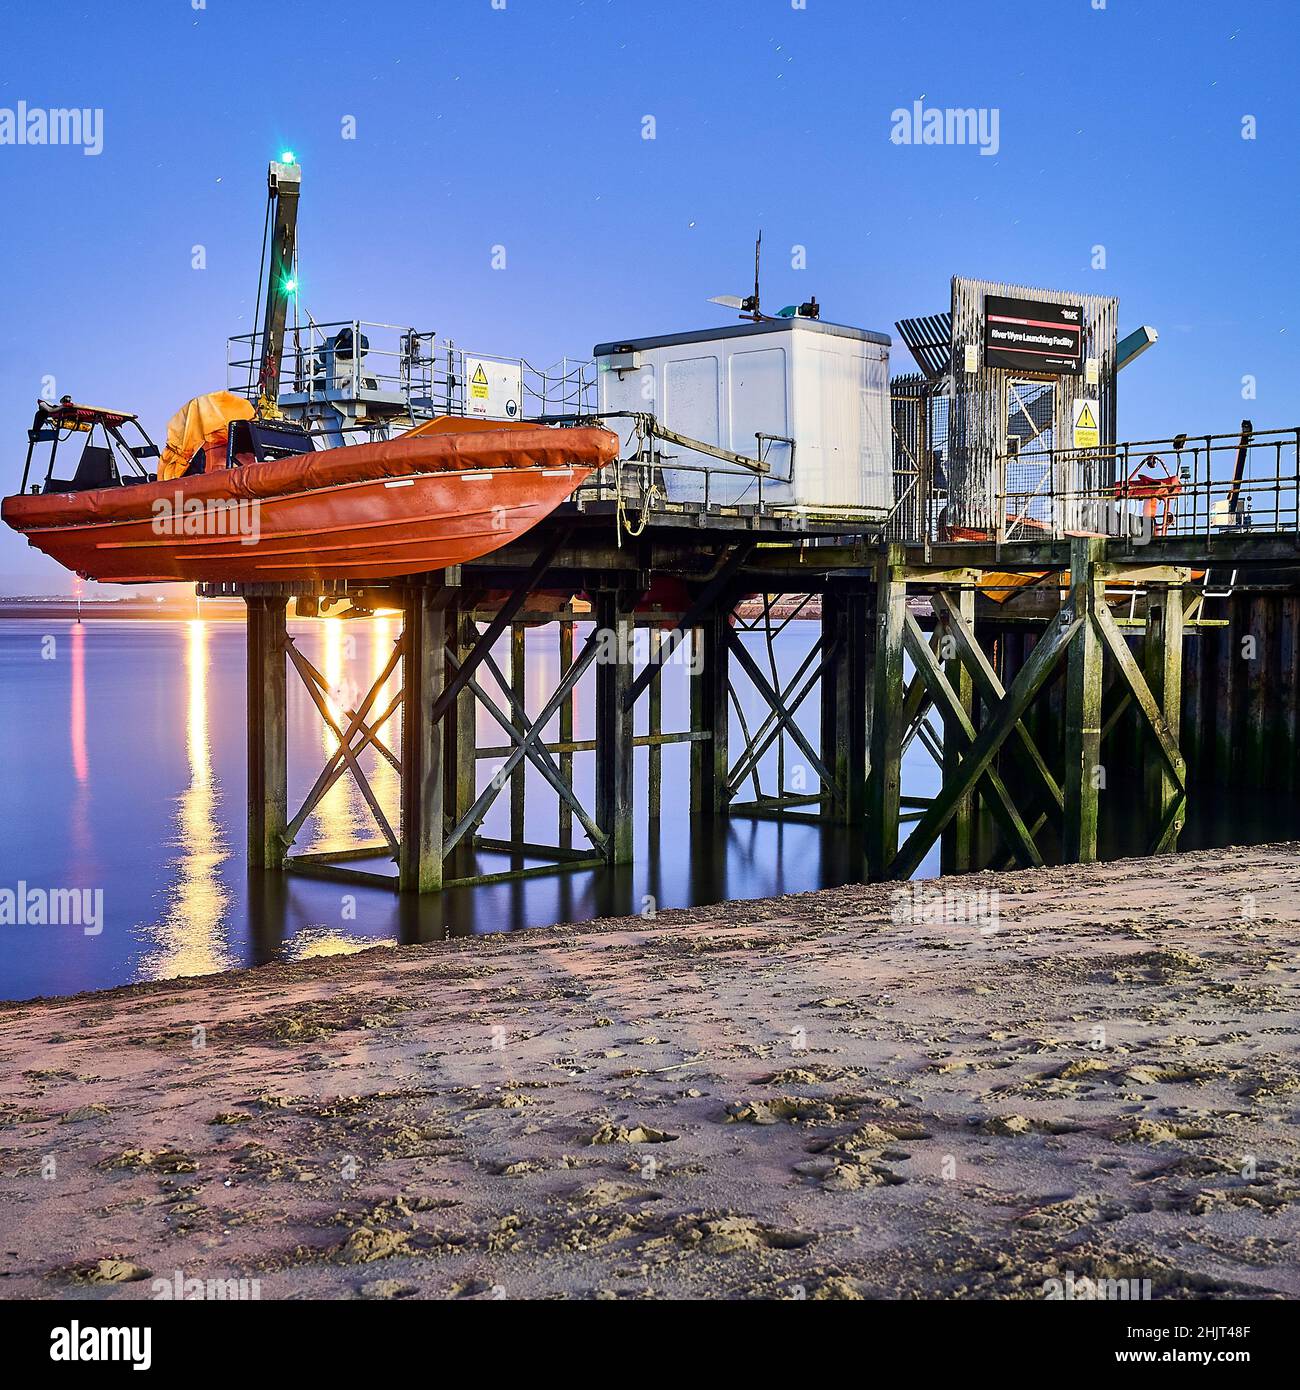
(522,127)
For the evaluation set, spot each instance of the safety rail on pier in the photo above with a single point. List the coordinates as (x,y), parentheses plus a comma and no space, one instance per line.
(1210,486)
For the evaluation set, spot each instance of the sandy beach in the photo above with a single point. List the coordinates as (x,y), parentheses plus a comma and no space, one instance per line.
(825,1096)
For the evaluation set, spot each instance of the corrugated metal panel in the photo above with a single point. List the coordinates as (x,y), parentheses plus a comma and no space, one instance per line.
(929,340)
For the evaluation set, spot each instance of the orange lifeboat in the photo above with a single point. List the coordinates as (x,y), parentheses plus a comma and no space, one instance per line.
(437,496)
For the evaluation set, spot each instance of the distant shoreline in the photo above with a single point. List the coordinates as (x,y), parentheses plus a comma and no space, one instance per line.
(137,610)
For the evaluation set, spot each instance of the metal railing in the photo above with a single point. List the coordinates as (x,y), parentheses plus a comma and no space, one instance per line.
(400,372)
(919,420)
(1192,485)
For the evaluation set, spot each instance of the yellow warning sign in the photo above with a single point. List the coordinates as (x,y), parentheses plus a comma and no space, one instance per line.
(1087,432)
(478,384)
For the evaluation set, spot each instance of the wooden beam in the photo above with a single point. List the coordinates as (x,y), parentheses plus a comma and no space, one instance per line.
(960,732)
(420,850)
(655,757)
(1042,661)
(267,719)
(519,693)
(1146,702)
(991,692)
(526,742)
(710,714)
(777,719)
(460,743)
(885,779)
(778,705)
(846,639)
(358,720)
(565,813)
(1162,662)
(614,724)
(1083,703)
(957,847)
(317,690)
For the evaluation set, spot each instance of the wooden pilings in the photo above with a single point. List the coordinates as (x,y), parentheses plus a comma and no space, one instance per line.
(957,851)
(267,717)
(1162,666)
(845,681)
(564,825)
(419,864)
(1083,774)
(710,716)
(614,724)
(460,744)
(884,784)
(885,676)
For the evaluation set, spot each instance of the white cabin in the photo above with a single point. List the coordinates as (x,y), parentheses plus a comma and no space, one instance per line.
(808,397)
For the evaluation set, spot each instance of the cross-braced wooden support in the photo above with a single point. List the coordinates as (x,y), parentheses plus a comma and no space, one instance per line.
(1086,633)
(526,746)
(882,685)
(783,698)
(359,728)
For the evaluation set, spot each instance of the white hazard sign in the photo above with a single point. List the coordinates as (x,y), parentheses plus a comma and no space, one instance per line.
(493,390)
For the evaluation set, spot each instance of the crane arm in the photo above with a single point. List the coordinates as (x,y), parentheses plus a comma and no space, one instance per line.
(283,183)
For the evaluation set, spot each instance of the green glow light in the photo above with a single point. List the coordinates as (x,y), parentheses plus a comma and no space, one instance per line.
(290,286)
(287,157)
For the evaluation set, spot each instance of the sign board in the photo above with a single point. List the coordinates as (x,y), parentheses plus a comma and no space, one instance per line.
(1030,335)
(1087,426)
(493,390)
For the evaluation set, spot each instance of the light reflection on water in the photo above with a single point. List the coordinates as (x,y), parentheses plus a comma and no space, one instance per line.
(191,937)
(124,770)
(140,790)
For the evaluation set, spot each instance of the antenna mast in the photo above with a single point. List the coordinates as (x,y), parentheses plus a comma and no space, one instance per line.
(758,251)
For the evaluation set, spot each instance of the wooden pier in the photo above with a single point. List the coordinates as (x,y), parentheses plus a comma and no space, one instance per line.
(1040,717)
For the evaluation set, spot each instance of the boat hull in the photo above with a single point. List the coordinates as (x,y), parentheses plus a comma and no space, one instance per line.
(374,512)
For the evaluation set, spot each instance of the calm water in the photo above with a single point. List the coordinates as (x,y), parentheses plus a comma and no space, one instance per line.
(123,757)
(124,748)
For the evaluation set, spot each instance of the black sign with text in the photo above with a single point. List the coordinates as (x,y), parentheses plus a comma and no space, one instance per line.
(1028,335)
